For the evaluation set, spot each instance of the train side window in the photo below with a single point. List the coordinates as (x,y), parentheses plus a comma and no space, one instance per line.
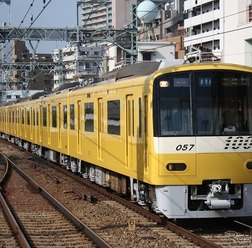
(64,116)
(54,116)
(89,117)
(9,114)
(33,117)
(37,116)
(72,124)
(18,117)
(22,113)
(28,116)
(114,117)
(15,116)
(140,117)
(44,117)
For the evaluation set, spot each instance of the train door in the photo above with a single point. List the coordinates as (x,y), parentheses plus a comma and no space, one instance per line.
(79,126)
(100,120)
(31,123)
(49,124)
(22,122)
(130,132)
(40,123)
(25,122)
(20,129)
(59,121)
(145,127)
(16,123)
(37,124)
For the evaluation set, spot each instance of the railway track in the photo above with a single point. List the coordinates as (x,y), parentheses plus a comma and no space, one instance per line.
(38,220)
(7,237)
(115,223)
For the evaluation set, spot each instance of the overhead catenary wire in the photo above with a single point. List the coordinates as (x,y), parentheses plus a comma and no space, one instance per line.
(140,33)
(22,21)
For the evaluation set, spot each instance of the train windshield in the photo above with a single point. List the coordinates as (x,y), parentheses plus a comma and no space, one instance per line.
(203,103)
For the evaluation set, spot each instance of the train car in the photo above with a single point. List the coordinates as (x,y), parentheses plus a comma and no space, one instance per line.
(178,140)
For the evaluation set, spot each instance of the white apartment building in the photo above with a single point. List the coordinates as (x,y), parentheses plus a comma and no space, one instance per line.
(223,27)
(110,14)
(76,63)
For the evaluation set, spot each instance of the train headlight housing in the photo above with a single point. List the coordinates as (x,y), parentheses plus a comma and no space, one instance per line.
(164,84)
(176,167)
(249,165)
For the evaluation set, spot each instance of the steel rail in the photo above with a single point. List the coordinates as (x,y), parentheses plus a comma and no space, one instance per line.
(77,222)
(22,240)
(201,241)
(17,230)
(7,172)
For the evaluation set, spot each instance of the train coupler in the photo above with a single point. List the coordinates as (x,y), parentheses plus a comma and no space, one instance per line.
(218,197)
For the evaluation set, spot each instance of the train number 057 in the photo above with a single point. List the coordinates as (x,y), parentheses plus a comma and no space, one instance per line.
(184,147)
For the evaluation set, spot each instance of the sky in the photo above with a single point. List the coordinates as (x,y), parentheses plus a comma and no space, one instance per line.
(56,13)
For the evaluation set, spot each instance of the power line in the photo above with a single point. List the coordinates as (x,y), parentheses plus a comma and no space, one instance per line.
(32,22)
(164,22)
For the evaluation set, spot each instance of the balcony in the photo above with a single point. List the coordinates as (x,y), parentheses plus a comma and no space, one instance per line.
(203,18)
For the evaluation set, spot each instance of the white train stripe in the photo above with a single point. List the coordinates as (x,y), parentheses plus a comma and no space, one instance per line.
(220,144)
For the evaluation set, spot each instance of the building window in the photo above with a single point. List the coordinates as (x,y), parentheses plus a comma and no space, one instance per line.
(114,117)
(87,65)
(146,56)
(250,13)
(89,117)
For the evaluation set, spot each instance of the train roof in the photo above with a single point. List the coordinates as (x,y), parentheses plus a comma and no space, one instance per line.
(135,70)
(140,69)
(66,86)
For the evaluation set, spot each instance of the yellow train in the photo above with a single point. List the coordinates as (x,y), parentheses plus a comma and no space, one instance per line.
(178,140)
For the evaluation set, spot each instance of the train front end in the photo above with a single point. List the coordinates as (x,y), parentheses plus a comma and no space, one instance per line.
(201,154)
